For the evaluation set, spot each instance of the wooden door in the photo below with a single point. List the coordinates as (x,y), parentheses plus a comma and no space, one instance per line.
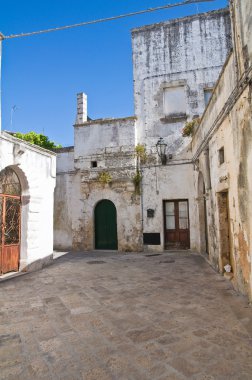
(176,224)
(224,230)
(9,233)
(105,225)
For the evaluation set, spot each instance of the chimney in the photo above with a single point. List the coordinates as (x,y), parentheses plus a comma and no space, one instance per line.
(81,108)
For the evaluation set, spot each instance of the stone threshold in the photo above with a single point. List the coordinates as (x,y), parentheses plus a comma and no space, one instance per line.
(32,267)
(10,275)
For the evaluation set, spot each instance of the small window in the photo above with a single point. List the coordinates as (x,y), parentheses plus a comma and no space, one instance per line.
(93,164)
(174,101)
(221,155)
(207,95)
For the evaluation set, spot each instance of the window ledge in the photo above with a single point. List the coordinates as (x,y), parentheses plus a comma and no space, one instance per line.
(174,118)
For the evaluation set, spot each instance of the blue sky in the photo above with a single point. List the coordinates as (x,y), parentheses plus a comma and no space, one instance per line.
(42,74)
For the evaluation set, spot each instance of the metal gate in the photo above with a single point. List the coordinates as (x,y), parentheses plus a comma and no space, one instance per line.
(10,211)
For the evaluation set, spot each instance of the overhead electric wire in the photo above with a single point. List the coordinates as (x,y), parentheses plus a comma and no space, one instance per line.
(167,6)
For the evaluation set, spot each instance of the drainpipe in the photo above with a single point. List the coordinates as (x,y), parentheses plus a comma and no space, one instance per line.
(233,15)
(142,207)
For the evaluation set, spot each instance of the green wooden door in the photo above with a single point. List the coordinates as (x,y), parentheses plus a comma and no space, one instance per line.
(105,225)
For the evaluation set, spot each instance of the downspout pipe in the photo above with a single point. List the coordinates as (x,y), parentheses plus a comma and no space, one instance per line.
(233,15)
(142,205)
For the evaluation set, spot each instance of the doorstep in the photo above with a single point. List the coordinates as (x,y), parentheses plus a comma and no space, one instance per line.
(9,275)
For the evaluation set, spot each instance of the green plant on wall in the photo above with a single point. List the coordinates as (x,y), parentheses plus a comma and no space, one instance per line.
(137,181)
(190,126)
(104,177)
(141,155)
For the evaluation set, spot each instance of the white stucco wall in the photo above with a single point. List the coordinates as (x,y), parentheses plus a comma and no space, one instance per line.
(95,136)
(65,160)
(187,52)
(172,182)
(36,169)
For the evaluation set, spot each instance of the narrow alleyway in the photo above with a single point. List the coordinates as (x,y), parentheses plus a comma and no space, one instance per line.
(112,316)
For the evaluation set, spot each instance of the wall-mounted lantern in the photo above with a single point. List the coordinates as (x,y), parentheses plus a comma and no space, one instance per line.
(161,150)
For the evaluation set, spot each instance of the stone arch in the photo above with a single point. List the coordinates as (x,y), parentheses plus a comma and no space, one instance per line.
(203,227)
(105,225)
(25,200)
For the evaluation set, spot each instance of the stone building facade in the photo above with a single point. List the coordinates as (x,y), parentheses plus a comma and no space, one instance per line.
(175,69)
(176,65)
(222,154)
(27,182)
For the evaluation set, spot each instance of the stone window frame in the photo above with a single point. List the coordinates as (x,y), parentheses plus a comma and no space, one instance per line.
(174,118)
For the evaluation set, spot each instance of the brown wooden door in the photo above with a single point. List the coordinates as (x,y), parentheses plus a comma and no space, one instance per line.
(176,224)
(9,233)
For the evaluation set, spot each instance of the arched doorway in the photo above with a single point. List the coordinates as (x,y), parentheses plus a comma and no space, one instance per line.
(202,214)
(105,225)
(10,216)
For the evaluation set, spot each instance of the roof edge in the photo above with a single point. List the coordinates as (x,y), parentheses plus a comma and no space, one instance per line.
(105,120)
(64,149)
(181,19)
(8,136)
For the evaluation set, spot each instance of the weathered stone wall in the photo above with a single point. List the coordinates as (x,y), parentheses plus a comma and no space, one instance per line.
(110,144)
(122,194)
(188,52)
(227,124)
(241,26)
(36,169)
(111,136)
(76,198)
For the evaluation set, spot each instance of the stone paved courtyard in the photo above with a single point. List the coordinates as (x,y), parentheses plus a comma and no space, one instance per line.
(114,316)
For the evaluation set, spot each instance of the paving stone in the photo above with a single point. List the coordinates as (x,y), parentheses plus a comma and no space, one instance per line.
(11,371)
(143,335)
(131,318)
(184,366)
(96,373)
(37,368)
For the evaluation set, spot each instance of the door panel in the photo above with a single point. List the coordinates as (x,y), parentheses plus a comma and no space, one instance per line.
(105,225)
(10,233)
(170,215)
(177,234)
(183,216)
(10,258)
